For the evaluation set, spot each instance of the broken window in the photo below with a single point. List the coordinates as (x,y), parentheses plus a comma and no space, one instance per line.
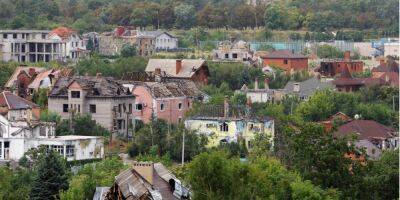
(234,55)
(224,127)
(226,55)
(70,150)
(179,106)
(92,108)
(65,108)
(59,149)
(162,106)
(139,106)
(75,94)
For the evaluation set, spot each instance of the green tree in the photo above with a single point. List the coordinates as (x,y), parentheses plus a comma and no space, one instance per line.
(83,184)
(184,15)
(51,177)
(128,51)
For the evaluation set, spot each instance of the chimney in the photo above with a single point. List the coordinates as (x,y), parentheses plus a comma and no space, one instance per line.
(266,83)
(256,84)
(145,169)
(296,87)
(98,75)
(347,55)
(32,71)
(157,75)
(178,66)
(226,107)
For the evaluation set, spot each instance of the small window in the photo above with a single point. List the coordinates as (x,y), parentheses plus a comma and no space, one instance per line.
(139,106)
(162,106)
(70,151)
(188,104)
(75,94)
(65,108)
(285,61)
(15,36)
(179,106)
(5,35)
(43,36)
(226,55)
(92,108)
(224,127)
(234,55)
(23,35)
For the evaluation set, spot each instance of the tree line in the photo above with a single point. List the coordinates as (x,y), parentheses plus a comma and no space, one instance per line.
(100,15)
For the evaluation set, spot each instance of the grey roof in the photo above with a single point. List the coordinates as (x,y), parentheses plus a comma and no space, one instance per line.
(14,102)
(308,87)
(189,66)
(94,86)
(178,88)
(153,34)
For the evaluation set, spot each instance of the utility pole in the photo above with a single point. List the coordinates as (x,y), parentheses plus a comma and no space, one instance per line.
(183,147)
(393,105)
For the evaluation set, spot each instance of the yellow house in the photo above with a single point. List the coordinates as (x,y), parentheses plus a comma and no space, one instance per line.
(230,129)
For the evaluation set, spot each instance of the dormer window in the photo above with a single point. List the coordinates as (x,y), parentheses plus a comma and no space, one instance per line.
(75,94)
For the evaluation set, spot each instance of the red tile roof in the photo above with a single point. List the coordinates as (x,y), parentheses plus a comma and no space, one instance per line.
(283,54)
(62,32)
(365,129)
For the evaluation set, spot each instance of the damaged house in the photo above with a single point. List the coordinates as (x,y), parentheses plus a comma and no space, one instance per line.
(191,69)
(144,181)
(17,137)
(105,99)
(164,98)
(231,126)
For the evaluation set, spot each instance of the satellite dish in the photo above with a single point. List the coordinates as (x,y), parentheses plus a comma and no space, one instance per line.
(357,116)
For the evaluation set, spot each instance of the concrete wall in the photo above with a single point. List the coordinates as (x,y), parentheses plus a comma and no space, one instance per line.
(291,65)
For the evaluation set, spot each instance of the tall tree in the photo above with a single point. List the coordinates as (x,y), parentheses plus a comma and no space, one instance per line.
(51,177)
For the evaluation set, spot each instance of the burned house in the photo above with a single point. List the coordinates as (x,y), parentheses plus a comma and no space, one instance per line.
(332,67)
(16,108)
(106,100)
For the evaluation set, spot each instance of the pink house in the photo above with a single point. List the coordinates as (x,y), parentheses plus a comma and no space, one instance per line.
(164,100)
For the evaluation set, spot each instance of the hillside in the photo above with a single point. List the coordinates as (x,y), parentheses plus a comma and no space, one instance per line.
(101,15)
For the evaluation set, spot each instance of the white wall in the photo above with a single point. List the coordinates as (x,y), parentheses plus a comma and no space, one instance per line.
(164,41)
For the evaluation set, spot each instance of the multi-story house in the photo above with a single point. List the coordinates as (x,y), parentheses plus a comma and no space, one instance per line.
(287,60)
(29,46)
(41,45)
(73,46)
(17,137)
(148,42)
(107,101)
(111,43)
(230,127)
(331,68)
(238,51)
(167,99)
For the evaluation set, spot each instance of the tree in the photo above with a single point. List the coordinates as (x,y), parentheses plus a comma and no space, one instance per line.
(328,51)
(128,51)
(82,124)
(214,175)
(83,185)
(51,178)
(40,97)
(184,16)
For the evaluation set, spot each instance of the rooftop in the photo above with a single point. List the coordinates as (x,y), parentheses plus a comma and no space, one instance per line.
(188,69)
(308,87)
(283,54)
(14,102)
(365,130)
(94,86)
